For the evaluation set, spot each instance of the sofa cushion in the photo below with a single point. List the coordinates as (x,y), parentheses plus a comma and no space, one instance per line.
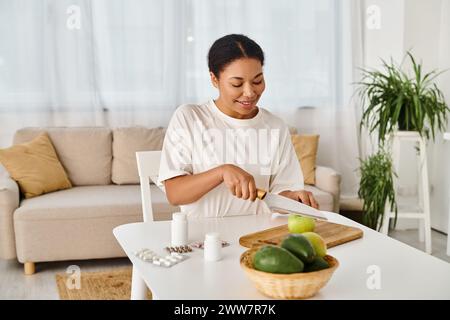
(35,166)
(85,152)
(126,142)
(77,223)
(324,199)
(306,149)
(93,202)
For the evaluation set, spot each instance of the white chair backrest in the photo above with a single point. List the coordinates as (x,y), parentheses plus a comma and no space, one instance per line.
(148,169)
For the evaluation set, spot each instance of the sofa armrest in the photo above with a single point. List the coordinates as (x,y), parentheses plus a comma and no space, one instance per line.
(9,202)
(329,181)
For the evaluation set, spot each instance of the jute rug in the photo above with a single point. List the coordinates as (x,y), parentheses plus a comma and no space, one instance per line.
(105,285)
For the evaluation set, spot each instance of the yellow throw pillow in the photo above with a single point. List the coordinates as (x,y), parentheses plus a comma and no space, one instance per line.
(35,166)
(306,149)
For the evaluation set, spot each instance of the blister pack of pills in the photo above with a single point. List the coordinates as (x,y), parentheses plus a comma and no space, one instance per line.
(167,261)
(179,249)
(201,245)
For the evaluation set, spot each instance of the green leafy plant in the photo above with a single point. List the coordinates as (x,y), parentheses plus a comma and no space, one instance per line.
(376,187)
(397,101)
(393,101)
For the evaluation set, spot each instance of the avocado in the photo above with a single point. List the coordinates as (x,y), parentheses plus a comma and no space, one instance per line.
(300,246)
(319,263)
(274,259)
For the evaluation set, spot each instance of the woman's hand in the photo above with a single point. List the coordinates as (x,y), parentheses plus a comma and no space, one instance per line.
(240,183)
(305,197)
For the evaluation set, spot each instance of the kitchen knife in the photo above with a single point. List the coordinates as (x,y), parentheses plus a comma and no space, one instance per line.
(283,204)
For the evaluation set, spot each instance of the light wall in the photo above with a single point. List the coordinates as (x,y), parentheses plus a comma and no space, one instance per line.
(424,28)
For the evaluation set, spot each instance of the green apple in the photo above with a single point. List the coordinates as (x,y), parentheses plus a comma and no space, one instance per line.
(317,242)
(300,224)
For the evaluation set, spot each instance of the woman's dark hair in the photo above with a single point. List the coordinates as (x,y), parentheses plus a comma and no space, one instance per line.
(232,47)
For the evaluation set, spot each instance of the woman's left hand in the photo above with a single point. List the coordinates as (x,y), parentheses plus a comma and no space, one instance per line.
(305,197)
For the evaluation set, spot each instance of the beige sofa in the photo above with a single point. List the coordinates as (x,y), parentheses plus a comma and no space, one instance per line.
(77,223)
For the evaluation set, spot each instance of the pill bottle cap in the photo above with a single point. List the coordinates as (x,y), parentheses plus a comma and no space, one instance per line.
(212,236)
(179,216)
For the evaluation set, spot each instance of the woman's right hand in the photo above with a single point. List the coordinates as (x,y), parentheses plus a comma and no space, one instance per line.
(240,183)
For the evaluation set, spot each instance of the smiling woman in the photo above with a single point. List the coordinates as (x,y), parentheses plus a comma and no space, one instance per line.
(208,163)
(238,62)
(238,95)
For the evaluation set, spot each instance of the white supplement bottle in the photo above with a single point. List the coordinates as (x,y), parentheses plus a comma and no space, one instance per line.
(179,229)
(212,247)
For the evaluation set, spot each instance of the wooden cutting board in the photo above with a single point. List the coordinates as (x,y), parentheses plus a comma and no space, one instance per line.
(334,234)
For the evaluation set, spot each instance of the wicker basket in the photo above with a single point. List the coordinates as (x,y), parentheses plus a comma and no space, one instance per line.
(288,286)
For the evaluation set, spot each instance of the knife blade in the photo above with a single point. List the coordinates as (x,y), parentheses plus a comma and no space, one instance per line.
(283,204)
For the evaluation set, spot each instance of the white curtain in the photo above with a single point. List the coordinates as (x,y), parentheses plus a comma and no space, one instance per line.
(336,118)
(117,62)
(68,63)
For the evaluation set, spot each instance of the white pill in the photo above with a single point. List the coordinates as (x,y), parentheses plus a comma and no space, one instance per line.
(177,255)
(158,263)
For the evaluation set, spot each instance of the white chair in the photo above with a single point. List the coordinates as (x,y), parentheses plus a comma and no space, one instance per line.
(148,169)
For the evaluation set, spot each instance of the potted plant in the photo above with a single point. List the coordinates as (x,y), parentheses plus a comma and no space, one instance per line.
(394,101)
(397,101)
(376,187)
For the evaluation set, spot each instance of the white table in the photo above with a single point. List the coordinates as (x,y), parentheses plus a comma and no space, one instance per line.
(405,272)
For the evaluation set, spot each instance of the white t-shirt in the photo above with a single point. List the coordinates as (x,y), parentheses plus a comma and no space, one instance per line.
(201,137)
